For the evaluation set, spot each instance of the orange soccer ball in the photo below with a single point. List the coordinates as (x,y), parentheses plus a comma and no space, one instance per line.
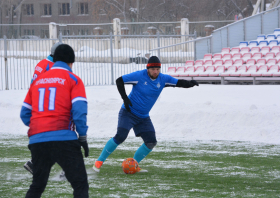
(130,166)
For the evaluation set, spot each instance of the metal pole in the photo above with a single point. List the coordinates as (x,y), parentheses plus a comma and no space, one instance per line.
(6,62)
(195,35)
(158,38)
(60,37)
(112,66)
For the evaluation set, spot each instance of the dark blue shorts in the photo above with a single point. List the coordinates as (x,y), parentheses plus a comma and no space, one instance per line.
(142,127)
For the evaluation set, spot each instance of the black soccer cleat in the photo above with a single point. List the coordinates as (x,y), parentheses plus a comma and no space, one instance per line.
(29,166)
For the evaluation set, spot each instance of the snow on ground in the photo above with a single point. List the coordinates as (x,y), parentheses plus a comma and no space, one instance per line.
(208,112)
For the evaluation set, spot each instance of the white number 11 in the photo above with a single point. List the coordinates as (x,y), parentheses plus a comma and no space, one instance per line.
(51,98)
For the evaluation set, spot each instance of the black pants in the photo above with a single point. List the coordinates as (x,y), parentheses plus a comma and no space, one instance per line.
(68,155)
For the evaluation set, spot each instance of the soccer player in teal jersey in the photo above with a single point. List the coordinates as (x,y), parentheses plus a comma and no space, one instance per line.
(134,113)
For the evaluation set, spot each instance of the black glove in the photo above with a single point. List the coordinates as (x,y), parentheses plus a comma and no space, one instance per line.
(193,82)
(127,102)
(84,144)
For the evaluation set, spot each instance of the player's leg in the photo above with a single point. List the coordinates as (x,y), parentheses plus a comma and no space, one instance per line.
(126,121)
(42,164)
(70,158)
(147,132)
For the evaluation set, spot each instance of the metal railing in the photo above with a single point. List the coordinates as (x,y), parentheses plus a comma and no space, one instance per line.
(100,59)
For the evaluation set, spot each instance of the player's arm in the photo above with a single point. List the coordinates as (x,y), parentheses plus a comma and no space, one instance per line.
(186,84)
(121,89)
(79,113)
(26,109)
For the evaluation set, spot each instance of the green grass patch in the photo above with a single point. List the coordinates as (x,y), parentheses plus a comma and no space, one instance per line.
(176,169)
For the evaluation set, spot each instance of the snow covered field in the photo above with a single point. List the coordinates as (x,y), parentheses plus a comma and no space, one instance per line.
(208,112)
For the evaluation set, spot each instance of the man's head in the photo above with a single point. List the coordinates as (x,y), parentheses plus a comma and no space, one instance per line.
(153,67)
(54,47)
(64,53)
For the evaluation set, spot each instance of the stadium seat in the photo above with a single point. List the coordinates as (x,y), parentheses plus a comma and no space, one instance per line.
(273,43)
(225,50)
(277,31)
(261,37)
(270,37)
(209,69)
(253,44)
(172,71)
(271,62)
(240,70)
(263,43)
(207,57)
(236,56)
(219,70)
(243,44)
(251,70)
(208,63)
(257,56)
(199,70)
(275,49)
(244,50)
(261,62)
(277,56)
(278,37)
(261,71)
(255,50)
(180,71)
(189,70)
(198,63)
(274,70)
(250,62)
(265,49)
(238,62)
(228,62)
(230,70)
(217,56)
(189,63)
(226,57)
(218,63)
(246,56)
(269,55)
(235,50)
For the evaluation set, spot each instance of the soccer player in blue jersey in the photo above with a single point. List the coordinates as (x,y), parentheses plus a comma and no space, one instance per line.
(134,113)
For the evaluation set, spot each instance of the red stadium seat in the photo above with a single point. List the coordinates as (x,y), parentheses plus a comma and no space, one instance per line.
(241,70)
(189,63)
(180,71)
(172,71)
(235,50)
(230,70)
(271,62)
(228,63)
(265,49)
(245,50)
(238,62)
(189,70)
(207,57)
(262,71)
(275,70)
(217,56)
(227,56)
(257,56)
(209,69)
(269,55)
(277,56)
(219,70)
(198,63)
(255,50)
(218,62)
(236,56)
(251,70)
(250,62)
(225,50)
(275,49)
(199,70)
(246,56)
(261,62)
(208,63)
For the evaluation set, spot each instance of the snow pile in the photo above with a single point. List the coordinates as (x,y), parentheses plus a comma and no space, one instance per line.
(208,112)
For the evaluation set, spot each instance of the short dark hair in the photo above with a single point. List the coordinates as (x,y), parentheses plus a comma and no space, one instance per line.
(64,53)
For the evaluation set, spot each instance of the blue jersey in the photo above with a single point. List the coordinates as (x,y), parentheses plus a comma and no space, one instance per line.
(146,91)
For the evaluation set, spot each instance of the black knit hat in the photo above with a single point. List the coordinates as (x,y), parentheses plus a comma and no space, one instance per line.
(153,62)
(64,53)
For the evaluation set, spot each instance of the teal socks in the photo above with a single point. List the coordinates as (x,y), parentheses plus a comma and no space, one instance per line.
(107,150)
(141,153)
